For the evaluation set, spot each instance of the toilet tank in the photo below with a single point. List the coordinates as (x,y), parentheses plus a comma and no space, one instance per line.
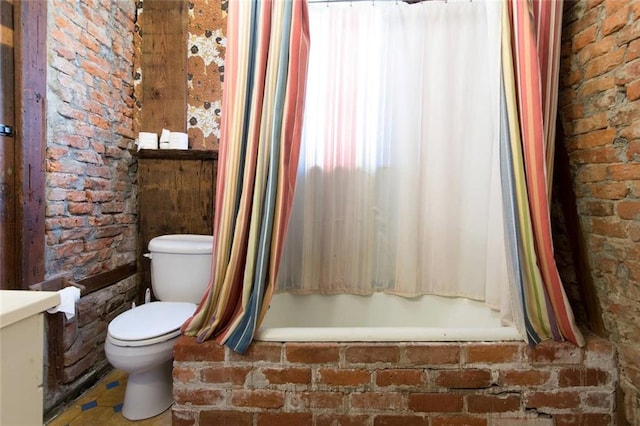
(180,266)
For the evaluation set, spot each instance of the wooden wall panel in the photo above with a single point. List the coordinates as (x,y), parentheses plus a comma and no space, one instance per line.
(176,193)
(164,66)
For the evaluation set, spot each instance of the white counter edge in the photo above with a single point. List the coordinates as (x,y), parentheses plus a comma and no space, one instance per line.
(16,305)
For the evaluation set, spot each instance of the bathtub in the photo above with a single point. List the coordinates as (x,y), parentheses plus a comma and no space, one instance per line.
(380,318)
(340,370)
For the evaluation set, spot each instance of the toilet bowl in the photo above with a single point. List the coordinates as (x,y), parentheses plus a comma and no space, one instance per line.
(140,341)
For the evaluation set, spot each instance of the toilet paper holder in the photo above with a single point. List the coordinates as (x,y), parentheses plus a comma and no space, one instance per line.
(75,284)
(59,285)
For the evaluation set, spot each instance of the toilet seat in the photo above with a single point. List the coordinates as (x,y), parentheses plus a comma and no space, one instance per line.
(145,342)
(149,323)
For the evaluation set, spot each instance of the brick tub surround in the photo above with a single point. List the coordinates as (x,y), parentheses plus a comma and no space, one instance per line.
(384,384)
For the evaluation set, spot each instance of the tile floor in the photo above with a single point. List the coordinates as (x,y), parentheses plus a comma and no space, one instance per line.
(101,405)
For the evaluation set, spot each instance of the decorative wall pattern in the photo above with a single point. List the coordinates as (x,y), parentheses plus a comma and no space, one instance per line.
(137,68)
(205,70)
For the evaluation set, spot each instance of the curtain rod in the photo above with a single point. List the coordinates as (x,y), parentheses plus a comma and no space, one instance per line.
(373,1)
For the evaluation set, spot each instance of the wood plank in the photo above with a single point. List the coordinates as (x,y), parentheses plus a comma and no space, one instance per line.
(106,279)
(8,258)
(175,154)
(90,284)
(174,197)
(55,348)
(52,284)
(30,86)
(164,65)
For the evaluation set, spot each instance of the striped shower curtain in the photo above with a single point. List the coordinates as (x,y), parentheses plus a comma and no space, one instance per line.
(265,77)
(531,32)
(265,71)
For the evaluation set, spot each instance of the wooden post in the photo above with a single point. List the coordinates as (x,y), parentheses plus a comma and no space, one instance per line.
(30,19)
(8,258)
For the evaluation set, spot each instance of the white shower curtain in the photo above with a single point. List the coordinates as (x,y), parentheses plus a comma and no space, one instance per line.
(399,187)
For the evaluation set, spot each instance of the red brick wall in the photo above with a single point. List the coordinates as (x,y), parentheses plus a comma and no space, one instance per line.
(90,214)
(403,384)
(90,176)
(600,112)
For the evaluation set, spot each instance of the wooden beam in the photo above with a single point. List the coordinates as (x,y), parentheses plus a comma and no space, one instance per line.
(105,279)
(30,18)
(175,154)
(164,65)
(88,285)
(8,258)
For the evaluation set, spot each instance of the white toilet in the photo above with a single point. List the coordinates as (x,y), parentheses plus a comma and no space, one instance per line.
(140,341)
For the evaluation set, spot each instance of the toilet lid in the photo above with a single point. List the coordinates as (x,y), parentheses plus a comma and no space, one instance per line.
(150,320)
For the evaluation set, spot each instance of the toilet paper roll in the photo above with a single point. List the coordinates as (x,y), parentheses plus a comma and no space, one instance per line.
(178,140)
(164,136)
(69,296)
(147,140)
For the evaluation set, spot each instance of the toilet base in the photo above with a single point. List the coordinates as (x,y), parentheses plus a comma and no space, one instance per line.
(148,393)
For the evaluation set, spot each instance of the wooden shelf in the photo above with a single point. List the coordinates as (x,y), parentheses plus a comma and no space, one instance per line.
(175,154)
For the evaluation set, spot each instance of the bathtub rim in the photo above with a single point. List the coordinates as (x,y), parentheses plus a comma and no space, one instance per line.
(387,334)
